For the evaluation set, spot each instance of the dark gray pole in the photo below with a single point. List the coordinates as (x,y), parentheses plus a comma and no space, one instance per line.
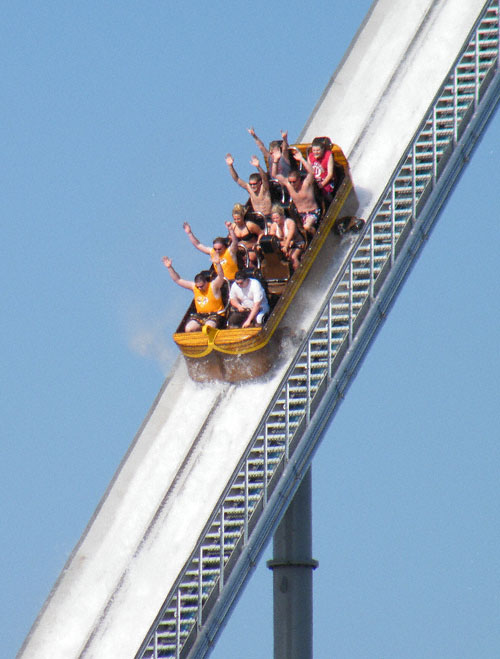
(292,568)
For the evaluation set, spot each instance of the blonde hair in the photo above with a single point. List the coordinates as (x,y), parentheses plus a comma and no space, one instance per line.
(239,209)
(278,208)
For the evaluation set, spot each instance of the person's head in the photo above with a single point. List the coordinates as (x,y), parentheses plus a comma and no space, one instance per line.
(220,245)
(255,181)
(295,180)
(238,212)
(318,147)
(275,144)
(241,278)
(201,281)
(277,213)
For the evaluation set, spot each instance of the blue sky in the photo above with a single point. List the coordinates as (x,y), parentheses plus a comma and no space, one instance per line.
(115,123)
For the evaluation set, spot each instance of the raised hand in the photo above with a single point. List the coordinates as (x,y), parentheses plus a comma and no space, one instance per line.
(186,227)
(229,160)
(255,161)
(167,262)
(276,153)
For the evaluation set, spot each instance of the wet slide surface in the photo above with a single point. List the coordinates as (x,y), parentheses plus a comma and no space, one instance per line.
(192,440)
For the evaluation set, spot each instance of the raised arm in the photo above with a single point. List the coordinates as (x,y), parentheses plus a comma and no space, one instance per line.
(275,160)
(285,145)
(284,182)
(194,240)
(175,276)
(265,180)
(233,245)
(233,172)
(219,279)
(305,163)
(260,144)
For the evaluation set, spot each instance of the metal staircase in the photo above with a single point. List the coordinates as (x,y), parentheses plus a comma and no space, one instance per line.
(355,306)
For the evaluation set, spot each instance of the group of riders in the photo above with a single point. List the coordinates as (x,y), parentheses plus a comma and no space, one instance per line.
(284,208)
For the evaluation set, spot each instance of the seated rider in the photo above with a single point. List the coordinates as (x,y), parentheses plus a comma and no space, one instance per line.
(207,296)
(247,233)
(249,300)
(292,242)
(277,156)
(257,186)
(322,162)
(227,252)
(302,194)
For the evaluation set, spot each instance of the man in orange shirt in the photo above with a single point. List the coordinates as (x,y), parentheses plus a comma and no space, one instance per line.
(227,253)
(207,296)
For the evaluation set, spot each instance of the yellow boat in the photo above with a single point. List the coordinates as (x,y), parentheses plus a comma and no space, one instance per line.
(233,355)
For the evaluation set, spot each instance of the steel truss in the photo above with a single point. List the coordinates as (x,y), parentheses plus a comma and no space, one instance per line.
(316,381)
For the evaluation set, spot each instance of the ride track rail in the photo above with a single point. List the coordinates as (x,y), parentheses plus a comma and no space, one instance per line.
(357,302)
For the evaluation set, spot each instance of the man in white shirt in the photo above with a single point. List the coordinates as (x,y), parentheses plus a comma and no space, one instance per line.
(249,299)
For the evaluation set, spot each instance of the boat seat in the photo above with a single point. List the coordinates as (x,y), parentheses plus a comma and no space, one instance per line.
(275,268)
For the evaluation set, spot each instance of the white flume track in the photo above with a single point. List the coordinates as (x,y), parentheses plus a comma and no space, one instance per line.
(407,60)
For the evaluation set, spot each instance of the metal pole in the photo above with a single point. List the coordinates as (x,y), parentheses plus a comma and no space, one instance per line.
(292,568)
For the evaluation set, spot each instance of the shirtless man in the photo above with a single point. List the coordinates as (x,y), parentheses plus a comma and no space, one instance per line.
(302,193)
(275,164)
(257,186)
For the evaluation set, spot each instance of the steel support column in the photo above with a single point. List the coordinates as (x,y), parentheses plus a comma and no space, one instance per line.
(292,568)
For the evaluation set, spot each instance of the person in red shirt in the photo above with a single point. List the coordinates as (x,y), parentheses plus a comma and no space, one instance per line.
(322,162)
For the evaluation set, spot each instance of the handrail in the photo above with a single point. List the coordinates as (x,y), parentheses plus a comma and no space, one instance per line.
(327,357)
